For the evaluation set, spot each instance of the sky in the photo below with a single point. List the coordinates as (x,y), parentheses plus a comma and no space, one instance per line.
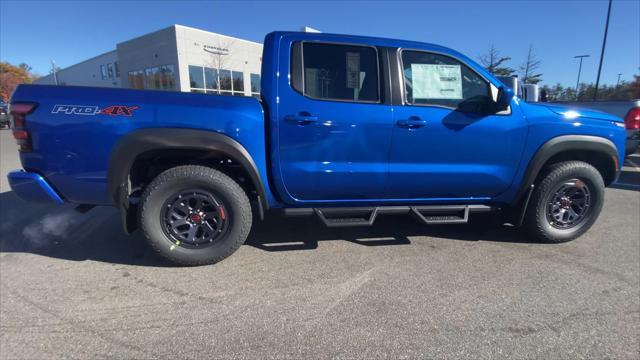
(36,32)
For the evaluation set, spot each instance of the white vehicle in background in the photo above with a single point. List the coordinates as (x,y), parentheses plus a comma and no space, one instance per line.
(527,92)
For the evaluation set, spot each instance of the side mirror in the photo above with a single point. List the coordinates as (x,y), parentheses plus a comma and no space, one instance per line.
(505,95)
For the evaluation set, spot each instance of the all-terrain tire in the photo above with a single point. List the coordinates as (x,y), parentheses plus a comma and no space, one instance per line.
(236,212)
(540,225)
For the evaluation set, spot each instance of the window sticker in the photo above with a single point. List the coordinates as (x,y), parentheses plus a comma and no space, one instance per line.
(353,70)
(431,81)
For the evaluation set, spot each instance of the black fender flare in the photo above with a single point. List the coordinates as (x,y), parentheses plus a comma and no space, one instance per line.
(564,143)
(129,147)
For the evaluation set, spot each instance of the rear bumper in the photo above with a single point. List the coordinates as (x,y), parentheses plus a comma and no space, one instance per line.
(32,187)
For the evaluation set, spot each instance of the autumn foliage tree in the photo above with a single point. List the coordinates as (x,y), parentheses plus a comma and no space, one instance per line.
(11,76)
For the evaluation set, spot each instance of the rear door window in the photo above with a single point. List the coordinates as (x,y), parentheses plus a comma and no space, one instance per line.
(339,72)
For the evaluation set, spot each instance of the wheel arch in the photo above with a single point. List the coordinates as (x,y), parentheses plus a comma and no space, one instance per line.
(133,146)
(597,151)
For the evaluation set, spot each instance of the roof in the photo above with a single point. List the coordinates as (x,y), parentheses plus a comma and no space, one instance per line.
(380,41)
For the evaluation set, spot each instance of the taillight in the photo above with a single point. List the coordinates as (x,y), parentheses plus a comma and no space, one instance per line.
(19,112)
(632,120)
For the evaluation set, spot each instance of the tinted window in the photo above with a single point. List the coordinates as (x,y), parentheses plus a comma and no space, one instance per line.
(136,79)
(238,81)
(255,83)
(225,80)
(110,70)
(153,78)
(196,78)
(211,78)
(168,77)
(340,72)
(433,79)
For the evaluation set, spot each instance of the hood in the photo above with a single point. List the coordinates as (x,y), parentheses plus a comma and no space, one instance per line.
(574,112)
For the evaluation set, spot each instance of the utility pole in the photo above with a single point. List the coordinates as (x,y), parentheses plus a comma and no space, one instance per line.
(53,70)
(579,70)
(618,82)
(604,43)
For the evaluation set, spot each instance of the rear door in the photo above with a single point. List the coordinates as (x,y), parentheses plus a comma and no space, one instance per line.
(334,123)
(447,143)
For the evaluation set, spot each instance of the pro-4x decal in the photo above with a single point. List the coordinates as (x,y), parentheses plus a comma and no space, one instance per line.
(113,110)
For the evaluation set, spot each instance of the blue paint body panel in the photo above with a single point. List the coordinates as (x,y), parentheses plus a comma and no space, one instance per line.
(354,155)
(32,187)
(73,151)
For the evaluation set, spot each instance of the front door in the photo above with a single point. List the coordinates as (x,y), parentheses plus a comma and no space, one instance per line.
(334,127)
(446,141)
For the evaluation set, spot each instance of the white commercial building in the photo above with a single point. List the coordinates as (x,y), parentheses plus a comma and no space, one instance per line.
(177,58)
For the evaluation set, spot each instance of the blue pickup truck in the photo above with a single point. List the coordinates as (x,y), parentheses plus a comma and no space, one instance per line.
(347,128)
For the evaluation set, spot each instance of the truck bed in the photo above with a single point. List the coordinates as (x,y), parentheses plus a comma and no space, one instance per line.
(74,129)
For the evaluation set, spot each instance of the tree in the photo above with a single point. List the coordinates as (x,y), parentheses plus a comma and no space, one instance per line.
(634,87)
(11,76)
(529,68)
(218,60)
(492,61)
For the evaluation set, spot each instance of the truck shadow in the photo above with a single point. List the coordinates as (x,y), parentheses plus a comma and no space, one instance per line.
(61,232)
(629,178)
(279,233)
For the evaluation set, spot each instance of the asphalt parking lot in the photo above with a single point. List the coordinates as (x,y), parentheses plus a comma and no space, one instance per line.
(75,286)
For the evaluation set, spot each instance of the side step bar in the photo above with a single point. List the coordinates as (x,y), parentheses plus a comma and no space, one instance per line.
(366,216)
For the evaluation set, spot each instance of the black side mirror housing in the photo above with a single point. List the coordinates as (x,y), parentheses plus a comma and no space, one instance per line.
(505,95)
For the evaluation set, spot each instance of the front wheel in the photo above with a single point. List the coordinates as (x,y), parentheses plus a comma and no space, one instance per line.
(565,203)
(195,215)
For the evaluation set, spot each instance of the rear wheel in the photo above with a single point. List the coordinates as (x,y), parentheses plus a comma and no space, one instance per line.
(195,215)
(565,203)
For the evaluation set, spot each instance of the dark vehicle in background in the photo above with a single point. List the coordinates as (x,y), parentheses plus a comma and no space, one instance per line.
(4,115)
(628,110)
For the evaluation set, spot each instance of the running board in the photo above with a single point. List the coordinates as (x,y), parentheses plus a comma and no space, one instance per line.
(431,215)
(366,216)
(347,217)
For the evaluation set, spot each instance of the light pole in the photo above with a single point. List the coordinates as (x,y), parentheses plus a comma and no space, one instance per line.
(579,70)
(618,82)
(604,43)
(53,70)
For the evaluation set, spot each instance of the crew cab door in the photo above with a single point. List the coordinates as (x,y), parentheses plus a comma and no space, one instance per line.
(447,142)
(334,127)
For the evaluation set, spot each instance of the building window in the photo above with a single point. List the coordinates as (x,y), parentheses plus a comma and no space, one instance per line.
(168,77)
(255,85)
(160,77)
(196,77)
(226,86)
(115,65)
(152,77)
(103,72)
(136,79)
(110,71)
(238,82)
(211,80)
(214,81)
